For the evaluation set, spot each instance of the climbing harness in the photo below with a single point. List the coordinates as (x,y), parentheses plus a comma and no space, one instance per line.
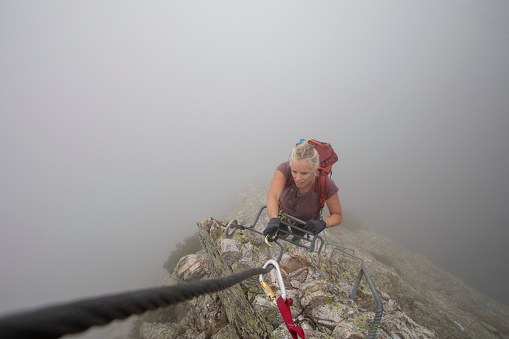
(283,303)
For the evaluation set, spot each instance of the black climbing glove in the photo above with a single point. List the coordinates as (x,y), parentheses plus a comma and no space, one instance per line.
(315,226)
(271,229)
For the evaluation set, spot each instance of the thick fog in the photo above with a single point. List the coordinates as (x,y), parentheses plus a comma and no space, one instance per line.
(122,123)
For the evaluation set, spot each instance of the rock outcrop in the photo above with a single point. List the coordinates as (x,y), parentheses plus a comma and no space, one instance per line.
(419,299)
(321,296)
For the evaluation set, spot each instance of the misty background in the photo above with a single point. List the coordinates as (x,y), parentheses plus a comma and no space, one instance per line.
(122,123)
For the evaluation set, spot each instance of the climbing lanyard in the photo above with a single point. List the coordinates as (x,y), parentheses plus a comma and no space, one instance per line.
(283,303)
(286,313)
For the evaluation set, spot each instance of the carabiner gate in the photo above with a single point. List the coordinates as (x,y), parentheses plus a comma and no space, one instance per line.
(267,288)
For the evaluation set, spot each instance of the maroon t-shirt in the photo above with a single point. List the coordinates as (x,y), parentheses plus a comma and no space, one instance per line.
(302,206)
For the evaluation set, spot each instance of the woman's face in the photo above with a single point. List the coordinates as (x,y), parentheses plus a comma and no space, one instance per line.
(302,173)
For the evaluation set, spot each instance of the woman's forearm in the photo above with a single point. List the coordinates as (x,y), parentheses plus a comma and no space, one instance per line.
(272,207)
(333,220)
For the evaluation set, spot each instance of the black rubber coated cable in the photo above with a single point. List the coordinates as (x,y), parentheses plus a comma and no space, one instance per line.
(74,317)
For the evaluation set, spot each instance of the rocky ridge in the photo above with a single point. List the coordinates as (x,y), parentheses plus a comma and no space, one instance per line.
(420,300)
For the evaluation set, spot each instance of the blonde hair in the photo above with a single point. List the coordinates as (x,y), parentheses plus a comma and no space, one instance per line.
(305,151)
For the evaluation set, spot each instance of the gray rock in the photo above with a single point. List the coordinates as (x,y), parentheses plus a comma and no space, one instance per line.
(227,332)
(157,331)
(190,268)
(229,250)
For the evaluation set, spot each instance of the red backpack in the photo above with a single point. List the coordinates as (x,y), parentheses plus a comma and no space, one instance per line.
(327,158)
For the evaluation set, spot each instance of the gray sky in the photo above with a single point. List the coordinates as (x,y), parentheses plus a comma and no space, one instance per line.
(122,123)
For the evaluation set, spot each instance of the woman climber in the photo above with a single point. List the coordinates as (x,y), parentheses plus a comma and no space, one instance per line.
(300,187)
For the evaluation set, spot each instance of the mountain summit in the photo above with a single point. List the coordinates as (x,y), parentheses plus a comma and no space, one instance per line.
(419,299)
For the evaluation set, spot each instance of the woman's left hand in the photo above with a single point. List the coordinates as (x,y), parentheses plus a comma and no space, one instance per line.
(315,226)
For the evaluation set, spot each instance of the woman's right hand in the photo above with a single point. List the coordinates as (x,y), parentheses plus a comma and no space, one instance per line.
(272,227)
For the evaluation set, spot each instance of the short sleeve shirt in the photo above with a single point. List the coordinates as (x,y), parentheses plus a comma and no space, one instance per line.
(301,205)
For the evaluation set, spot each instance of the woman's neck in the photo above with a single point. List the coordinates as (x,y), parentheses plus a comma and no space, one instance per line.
(306,188)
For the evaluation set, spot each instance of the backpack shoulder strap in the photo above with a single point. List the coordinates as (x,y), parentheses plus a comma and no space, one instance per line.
(322,188)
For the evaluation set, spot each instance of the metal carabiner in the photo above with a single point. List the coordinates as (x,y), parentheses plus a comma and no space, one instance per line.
(231,226)
(266,287)
(267,240)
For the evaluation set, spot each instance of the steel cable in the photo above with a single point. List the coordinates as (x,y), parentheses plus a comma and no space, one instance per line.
(74,317)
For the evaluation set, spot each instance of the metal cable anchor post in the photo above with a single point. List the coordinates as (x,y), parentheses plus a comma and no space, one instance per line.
(266,288)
